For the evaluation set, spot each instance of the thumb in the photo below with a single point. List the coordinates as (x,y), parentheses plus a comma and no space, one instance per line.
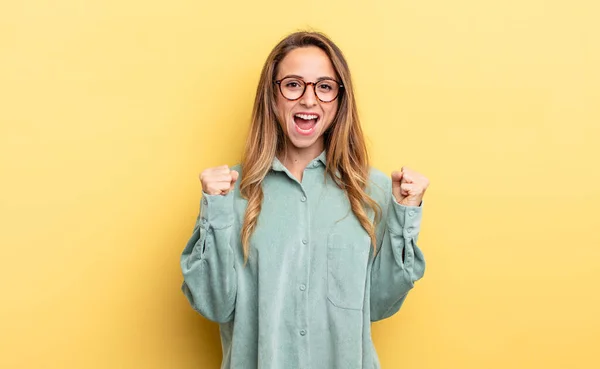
(234,178)
(396,183)
(397,176)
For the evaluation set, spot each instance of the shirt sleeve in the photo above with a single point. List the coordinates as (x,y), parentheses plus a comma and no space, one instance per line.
(399,262)
(207,262)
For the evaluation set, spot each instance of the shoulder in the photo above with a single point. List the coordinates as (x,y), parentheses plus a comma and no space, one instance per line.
(379,186)
(379,179)
(238,168)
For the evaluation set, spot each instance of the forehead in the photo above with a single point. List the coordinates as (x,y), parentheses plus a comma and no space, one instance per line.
(308,62)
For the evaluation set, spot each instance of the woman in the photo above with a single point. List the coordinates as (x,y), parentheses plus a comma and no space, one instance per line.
(300,247)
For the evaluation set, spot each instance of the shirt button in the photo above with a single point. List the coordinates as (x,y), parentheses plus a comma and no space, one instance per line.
(304,241)
(302,287)
(205,201)
(303,332)
(411,213)
(409,230)
(303,199)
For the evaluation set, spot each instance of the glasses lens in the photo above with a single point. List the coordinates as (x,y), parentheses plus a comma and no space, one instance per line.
(292,88)
(327,90)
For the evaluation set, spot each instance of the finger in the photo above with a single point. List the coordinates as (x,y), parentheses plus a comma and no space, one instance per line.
(396,176)
(218,187)
(209,172)
(407,189)
(222,177)
(408,177)
(224,169)
(223,184)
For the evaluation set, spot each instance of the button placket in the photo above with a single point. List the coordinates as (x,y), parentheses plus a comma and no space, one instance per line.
(303,277)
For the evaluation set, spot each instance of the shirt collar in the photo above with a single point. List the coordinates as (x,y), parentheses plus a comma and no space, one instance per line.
(316,162)
(321,159)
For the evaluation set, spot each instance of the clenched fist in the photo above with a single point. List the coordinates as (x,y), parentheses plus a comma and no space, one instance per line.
(218,180)
(408,187)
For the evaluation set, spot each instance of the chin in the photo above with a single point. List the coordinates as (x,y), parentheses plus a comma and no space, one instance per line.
(302,145)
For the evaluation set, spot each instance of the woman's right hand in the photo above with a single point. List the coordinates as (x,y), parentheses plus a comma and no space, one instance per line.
(218,180)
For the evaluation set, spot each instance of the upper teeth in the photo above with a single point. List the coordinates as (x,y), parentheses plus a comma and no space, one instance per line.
(307,116)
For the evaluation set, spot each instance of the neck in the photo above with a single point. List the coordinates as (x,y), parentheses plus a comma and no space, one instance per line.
(296,159)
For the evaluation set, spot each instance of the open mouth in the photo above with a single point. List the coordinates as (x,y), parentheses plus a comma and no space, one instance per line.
(305,122)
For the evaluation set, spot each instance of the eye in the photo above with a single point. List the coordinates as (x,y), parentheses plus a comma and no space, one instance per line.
(292,84)
(326,86)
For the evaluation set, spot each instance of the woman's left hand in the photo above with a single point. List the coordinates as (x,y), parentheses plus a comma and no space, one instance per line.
(408,187)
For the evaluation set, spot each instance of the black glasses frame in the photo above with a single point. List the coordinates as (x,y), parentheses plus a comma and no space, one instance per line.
(314,84)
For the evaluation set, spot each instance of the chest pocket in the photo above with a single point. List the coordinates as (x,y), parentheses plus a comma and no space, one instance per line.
(347,259)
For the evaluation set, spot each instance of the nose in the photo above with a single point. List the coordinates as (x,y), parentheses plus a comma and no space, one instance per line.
(309,99)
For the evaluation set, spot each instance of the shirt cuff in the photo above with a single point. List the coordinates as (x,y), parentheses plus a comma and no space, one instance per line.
(405,220)
(216,211)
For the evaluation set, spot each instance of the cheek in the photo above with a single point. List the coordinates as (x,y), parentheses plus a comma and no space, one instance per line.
(330,111)
(283,107)
(281,113)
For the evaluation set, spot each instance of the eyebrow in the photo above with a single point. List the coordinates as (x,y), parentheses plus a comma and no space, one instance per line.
(302,78)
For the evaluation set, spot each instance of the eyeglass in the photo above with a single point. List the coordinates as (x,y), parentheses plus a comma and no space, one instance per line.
(293,88)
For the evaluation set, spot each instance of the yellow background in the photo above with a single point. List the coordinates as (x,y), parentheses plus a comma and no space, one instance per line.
(110,109)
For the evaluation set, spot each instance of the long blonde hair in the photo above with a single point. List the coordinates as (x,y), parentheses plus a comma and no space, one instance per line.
(347,157)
